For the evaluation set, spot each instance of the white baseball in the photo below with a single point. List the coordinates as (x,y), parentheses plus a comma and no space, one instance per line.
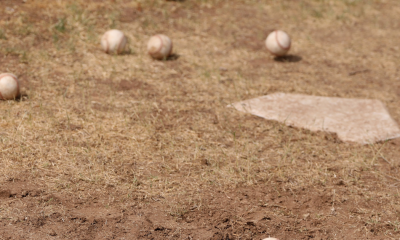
(278,43)
(113,41)
(9,86)
(270,238)
(159,46)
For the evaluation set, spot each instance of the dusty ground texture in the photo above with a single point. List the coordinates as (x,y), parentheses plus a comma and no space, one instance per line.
(125,147)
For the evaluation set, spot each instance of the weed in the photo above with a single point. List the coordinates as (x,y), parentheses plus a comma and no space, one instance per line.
(61,25)
(2,35)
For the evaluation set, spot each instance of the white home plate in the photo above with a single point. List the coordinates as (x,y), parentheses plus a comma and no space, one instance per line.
(355,120)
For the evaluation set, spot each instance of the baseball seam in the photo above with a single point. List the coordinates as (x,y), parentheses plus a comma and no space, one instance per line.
(279,44)
(119,44)
(161,45)
(16,81)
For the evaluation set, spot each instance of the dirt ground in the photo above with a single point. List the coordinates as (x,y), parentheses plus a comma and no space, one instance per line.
(125,147)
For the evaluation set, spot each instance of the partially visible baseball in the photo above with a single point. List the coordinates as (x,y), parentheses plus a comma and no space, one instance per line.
(270,238)
(9,86)
(278,43)
(113,41)
(159,46)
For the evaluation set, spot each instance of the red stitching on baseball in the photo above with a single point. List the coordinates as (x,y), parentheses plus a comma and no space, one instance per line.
(279,44)
(161,45)
(16,80)
(119,45)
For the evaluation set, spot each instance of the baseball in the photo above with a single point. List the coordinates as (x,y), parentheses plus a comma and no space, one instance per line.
(270,238)
(278,43)
(9,86)
(159,46)
(113,41)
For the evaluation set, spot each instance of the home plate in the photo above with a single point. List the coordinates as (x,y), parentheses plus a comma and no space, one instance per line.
(363,121)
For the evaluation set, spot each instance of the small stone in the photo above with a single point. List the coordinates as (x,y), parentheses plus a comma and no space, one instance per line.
(52,233)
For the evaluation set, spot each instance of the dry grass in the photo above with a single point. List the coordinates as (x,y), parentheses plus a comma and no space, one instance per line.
(92,122)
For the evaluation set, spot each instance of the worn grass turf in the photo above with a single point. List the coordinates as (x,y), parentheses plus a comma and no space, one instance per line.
(125,147)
